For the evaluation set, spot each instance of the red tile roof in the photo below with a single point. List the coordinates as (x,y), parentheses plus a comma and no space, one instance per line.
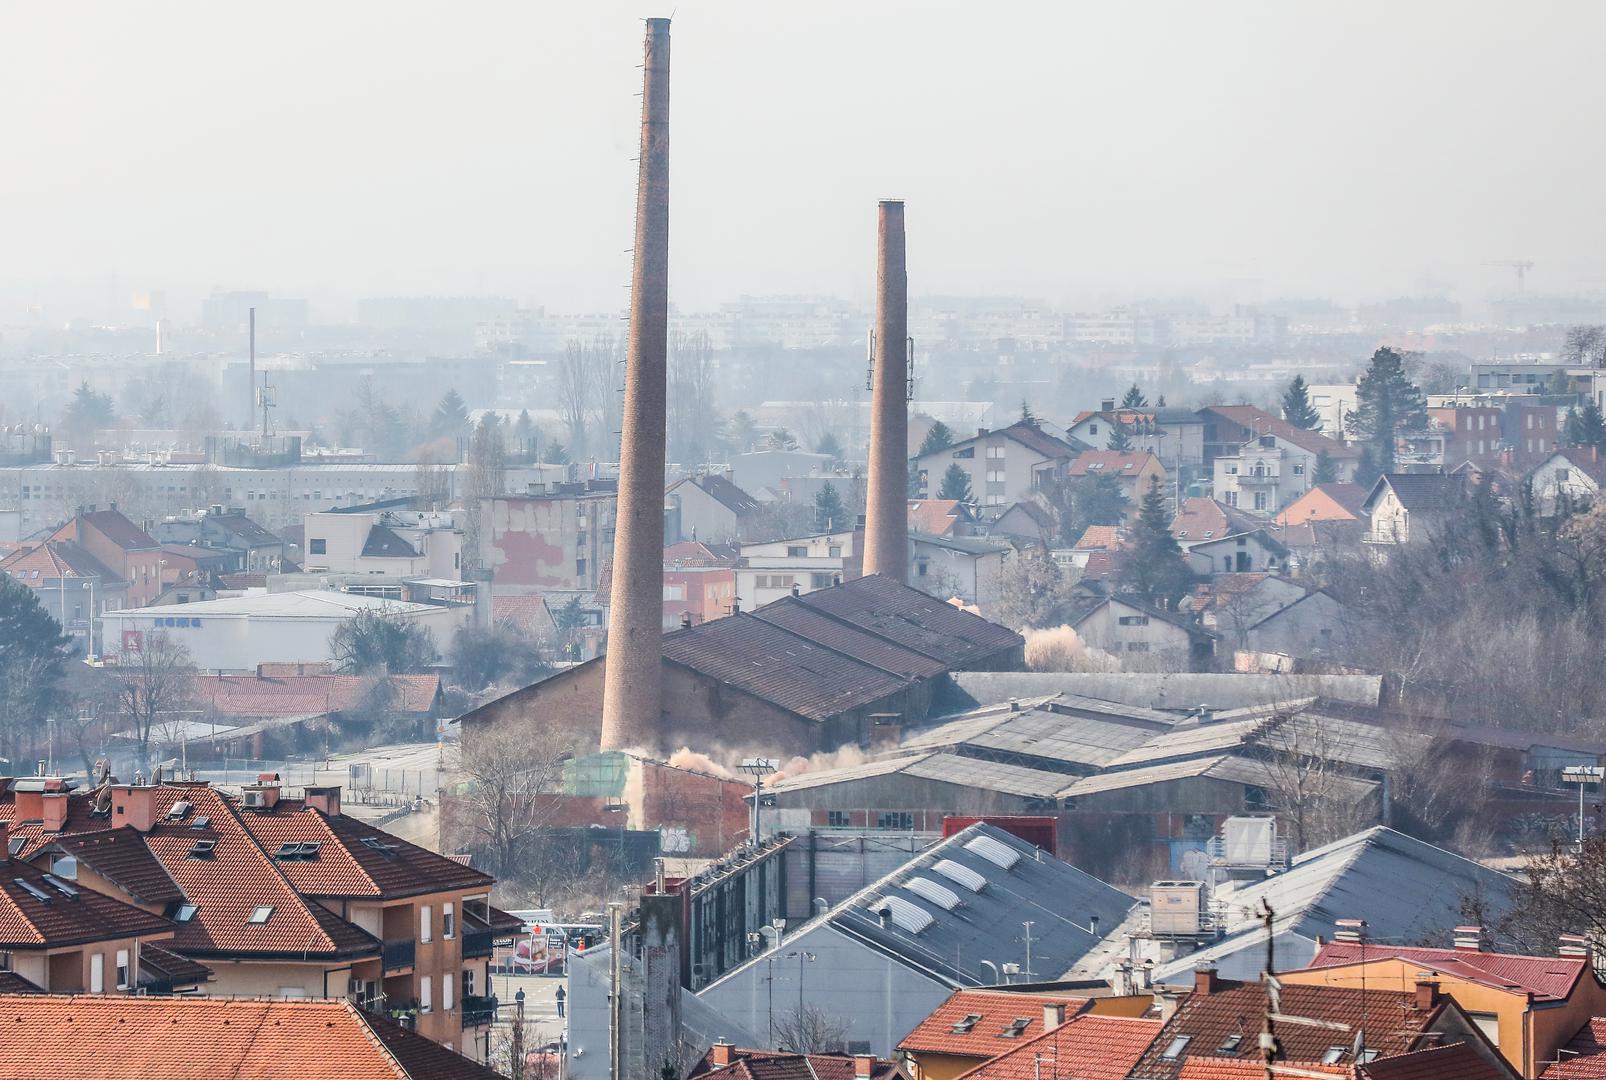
(157,964)
(1208,1069)
(1209,1021)
(55,560)
(1456,1061)
(1548,977)
(1112,463)
(114,526)
(1584,1057)
(36,914)
(993,1011)
(779,1065)
(1085,1047)
(305,695)
(121,857)
(936,516)
(1099,538)
(354,859)
(116,1037)
(1264,423)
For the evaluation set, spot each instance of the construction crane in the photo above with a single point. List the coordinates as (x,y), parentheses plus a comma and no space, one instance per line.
(1521,266)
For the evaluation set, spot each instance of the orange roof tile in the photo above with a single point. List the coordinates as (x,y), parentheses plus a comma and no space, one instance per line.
(1547,977)
(354,859)
(1207,1069)
(1086,1047)
(971,1022)
(1584,1057)
(1112,463)
(35,913)
(1456,1061)
(1099,538)
(116,1037)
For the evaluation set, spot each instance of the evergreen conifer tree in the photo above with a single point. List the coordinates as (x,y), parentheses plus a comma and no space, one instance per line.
(1297,409)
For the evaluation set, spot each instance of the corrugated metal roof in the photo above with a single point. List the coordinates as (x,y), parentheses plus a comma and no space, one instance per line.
(988,775)
(779,666)
(1405,889)
(914,620)
(792,614)
(1190,742)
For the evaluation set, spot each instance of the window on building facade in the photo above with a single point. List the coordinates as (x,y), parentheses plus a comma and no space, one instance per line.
(426,921)
(317,547)
(895,819)
(838,819)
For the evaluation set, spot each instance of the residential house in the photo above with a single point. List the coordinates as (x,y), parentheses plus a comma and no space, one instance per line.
(121,546)
(1312,626)
(1255,551)
(390,539)
(1406,507)
(1143,637)
(1095,541)
(1567,479)
(62,938)
(942,517)
(255,549)
(1529,1007)
(1133,471)
(976,1026)
(1210,1023)
(1584,1058)
(1231,603)
(286,898)
(712,508)
(803,674)
(556,539)
(727,1062)
(239,633)
(1003,466)
(72,585)
(1277,466)
(964,567)
(1026,522)
(770,570)
(891,953)
(696,591)
(1325,502)
(1199,519)
(1088,1046)
(191,1038)
(1095,428)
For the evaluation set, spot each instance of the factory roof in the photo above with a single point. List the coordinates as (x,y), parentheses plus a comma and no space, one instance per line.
(965,545)
(310,603)
(1053,732)
(780,666)
(790,613)
(943,767)
(1406,890)
(914,620)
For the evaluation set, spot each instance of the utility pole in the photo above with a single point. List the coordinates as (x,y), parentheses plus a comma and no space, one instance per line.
(1028,927)
(616,1012)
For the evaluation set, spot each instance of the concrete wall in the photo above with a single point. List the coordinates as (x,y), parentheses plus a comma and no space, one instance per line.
(537,543)
(703,515)
(876,998)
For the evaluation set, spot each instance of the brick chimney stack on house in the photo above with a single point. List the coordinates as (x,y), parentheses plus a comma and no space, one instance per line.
(863,1066)
(1205,981)
(1573,945)
(632,693)
(1427,991)
(1053,1015)
(723,1054)
(886,527)
(325,799)
(134,805)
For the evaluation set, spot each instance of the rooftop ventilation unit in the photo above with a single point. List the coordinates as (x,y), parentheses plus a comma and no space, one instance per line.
(933,893)
(906,914)
(960,875)
(994,851)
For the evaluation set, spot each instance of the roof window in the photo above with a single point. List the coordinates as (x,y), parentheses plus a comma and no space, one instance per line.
(179,811)
(181,911)
(1334,1055)
(1175,1047)
(292,850)
(993,850)
(1230,1044)
(32,890)
(201,823)
(69,891)
(260,915)
(15,845)
(962,1027)
(203,849)
(960,874)
(1017,1027)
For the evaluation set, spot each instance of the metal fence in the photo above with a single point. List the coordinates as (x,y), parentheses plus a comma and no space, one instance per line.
(375,784)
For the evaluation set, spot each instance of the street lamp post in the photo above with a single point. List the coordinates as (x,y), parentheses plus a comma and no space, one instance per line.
(758,769)
(1582,775)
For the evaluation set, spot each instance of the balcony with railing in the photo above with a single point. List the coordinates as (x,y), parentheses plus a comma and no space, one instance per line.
(400,955)
(478,1011)
(478,943)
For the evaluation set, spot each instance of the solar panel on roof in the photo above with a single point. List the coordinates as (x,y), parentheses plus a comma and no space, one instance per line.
(993,850)
(905,914)
(933,893)
(963,875)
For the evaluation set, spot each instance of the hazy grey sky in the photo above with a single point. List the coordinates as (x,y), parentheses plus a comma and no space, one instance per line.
(1062,150)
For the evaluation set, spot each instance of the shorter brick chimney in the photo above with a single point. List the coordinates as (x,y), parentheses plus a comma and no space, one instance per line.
(1470,939)
(722,1054)
(863,1066)
(1349,930)
(54,810)
(324,799)
(5,841)
(1053,1015)
(1427,992)
(1205,981)
(134,805)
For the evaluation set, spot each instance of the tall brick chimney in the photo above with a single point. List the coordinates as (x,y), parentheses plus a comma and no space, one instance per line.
(632,692)
(886,523)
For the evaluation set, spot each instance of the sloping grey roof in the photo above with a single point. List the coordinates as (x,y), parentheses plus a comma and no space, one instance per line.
(1418,491)
(986,925)
(1406,890)
(1043,733)
(384,543)
(935,765)
(792,614)
(1191,742)
(1180,691)
(914,620)
(967,545)
(1228,767)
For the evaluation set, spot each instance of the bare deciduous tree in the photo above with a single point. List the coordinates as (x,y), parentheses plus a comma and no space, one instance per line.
(154,685)
(810,1030)
(510,772)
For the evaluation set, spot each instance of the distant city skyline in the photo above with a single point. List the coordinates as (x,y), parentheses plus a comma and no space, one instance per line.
(1079,154)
